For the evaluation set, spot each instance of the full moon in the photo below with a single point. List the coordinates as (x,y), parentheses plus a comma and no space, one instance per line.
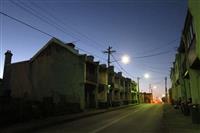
(125,59)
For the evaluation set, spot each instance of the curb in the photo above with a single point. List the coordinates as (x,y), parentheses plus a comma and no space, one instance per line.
(39,124)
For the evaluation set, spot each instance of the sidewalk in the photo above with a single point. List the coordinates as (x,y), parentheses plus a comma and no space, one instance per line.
(38,124)
(175,122)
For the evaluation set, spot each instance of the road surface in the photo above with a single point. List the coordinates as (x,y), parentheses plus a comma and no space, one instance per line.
(145,118)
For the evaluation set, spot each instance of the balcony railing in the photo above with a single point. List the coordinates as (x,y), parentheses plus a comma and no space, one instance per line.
(183,67)
(91,77)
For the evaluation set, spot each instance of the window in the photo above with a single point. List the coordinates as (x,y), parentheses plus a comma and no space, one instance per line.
(190,34)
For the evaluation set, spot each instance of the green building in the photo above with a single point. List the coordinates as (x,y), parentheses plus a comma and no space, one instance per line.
(185,73)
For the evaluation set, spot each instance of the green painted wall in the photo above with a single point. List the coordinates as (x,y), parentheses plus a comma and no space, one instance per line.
(194,7)
(195,85)
(187,87)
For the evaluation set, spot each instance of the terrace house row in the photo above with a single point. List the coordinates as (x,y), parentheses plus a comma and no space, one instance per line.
(59,75)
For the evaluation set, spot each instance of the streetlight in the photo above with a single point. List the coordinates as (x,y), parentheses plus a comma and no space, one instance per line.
(125,59)
(146,76)
(155,87)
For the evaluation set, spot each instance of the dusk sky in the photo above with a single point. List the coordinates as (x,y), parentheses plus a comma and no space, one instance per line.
(134,27)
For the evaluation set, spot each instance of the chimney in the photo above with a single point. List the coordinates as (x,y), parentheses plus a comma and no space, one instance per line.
(8,58)
(103,65)
(111,68)
(6,73)
(71,45)
(119,73)
(90,58)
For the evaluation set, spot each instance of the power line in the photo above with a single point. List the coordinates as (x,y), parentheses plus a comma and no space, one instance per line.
(13,18)
(157,48)
(121,66)
(162,46)
(41,18)
(50,19)
(158,82)
(59,20)
(150,69)
(152,55)
(32,27)
(91,53)
(109,51)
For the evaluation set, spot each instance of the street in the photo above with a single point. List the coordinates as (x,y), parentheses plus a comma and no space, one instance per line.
(145,118)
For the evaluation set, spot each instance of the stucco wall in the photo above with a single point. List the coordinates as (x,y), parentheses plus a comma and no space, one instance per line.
(58,73)
(187,87)
(20,81)
(103,80)
(194,6)
(195,85)
(103,77)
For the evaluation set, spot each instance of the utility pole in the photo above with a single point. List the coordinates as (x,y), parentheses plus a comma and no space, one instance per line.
(166,96)
(150,90)
(109,51)
(138,82)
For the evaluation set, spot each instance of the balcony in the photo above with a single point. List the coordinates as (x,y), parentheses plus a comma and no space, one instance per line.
(183,67)
(103,76)
(91,73)
(116,86)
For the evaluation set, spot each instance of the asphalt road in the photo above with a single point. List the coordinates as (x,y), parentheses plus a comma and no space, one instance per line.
(146,118)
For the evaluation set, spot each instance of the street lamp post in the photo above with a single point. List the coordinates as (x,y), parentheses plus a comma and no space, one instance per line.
(138,82)
(146,76)
(125,60)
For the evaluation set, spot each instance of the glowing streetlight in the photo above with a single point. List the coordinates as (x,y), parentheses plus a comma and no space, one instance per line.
(125,59)
(155,87)
(146,76)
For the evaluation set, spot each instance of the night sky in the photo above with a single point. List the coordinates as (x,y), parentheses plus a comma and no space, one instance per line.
(138,28)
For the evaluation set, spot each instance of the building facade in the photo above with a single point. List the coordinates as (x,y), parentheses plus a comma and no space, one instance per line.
(54,75)
(58,77)
(185,73)
(103,86)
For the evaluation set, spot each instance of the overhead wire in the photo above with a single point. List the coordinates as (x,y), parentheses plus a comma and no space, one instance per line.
(41,18)
(43,32)
(91,53)
(24,23)
(121,67)
(53,18)
(162,46)
(155,68)
(150,69)
(152,55)
(157,48)
(95,43)
(44,20)
(99,56)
